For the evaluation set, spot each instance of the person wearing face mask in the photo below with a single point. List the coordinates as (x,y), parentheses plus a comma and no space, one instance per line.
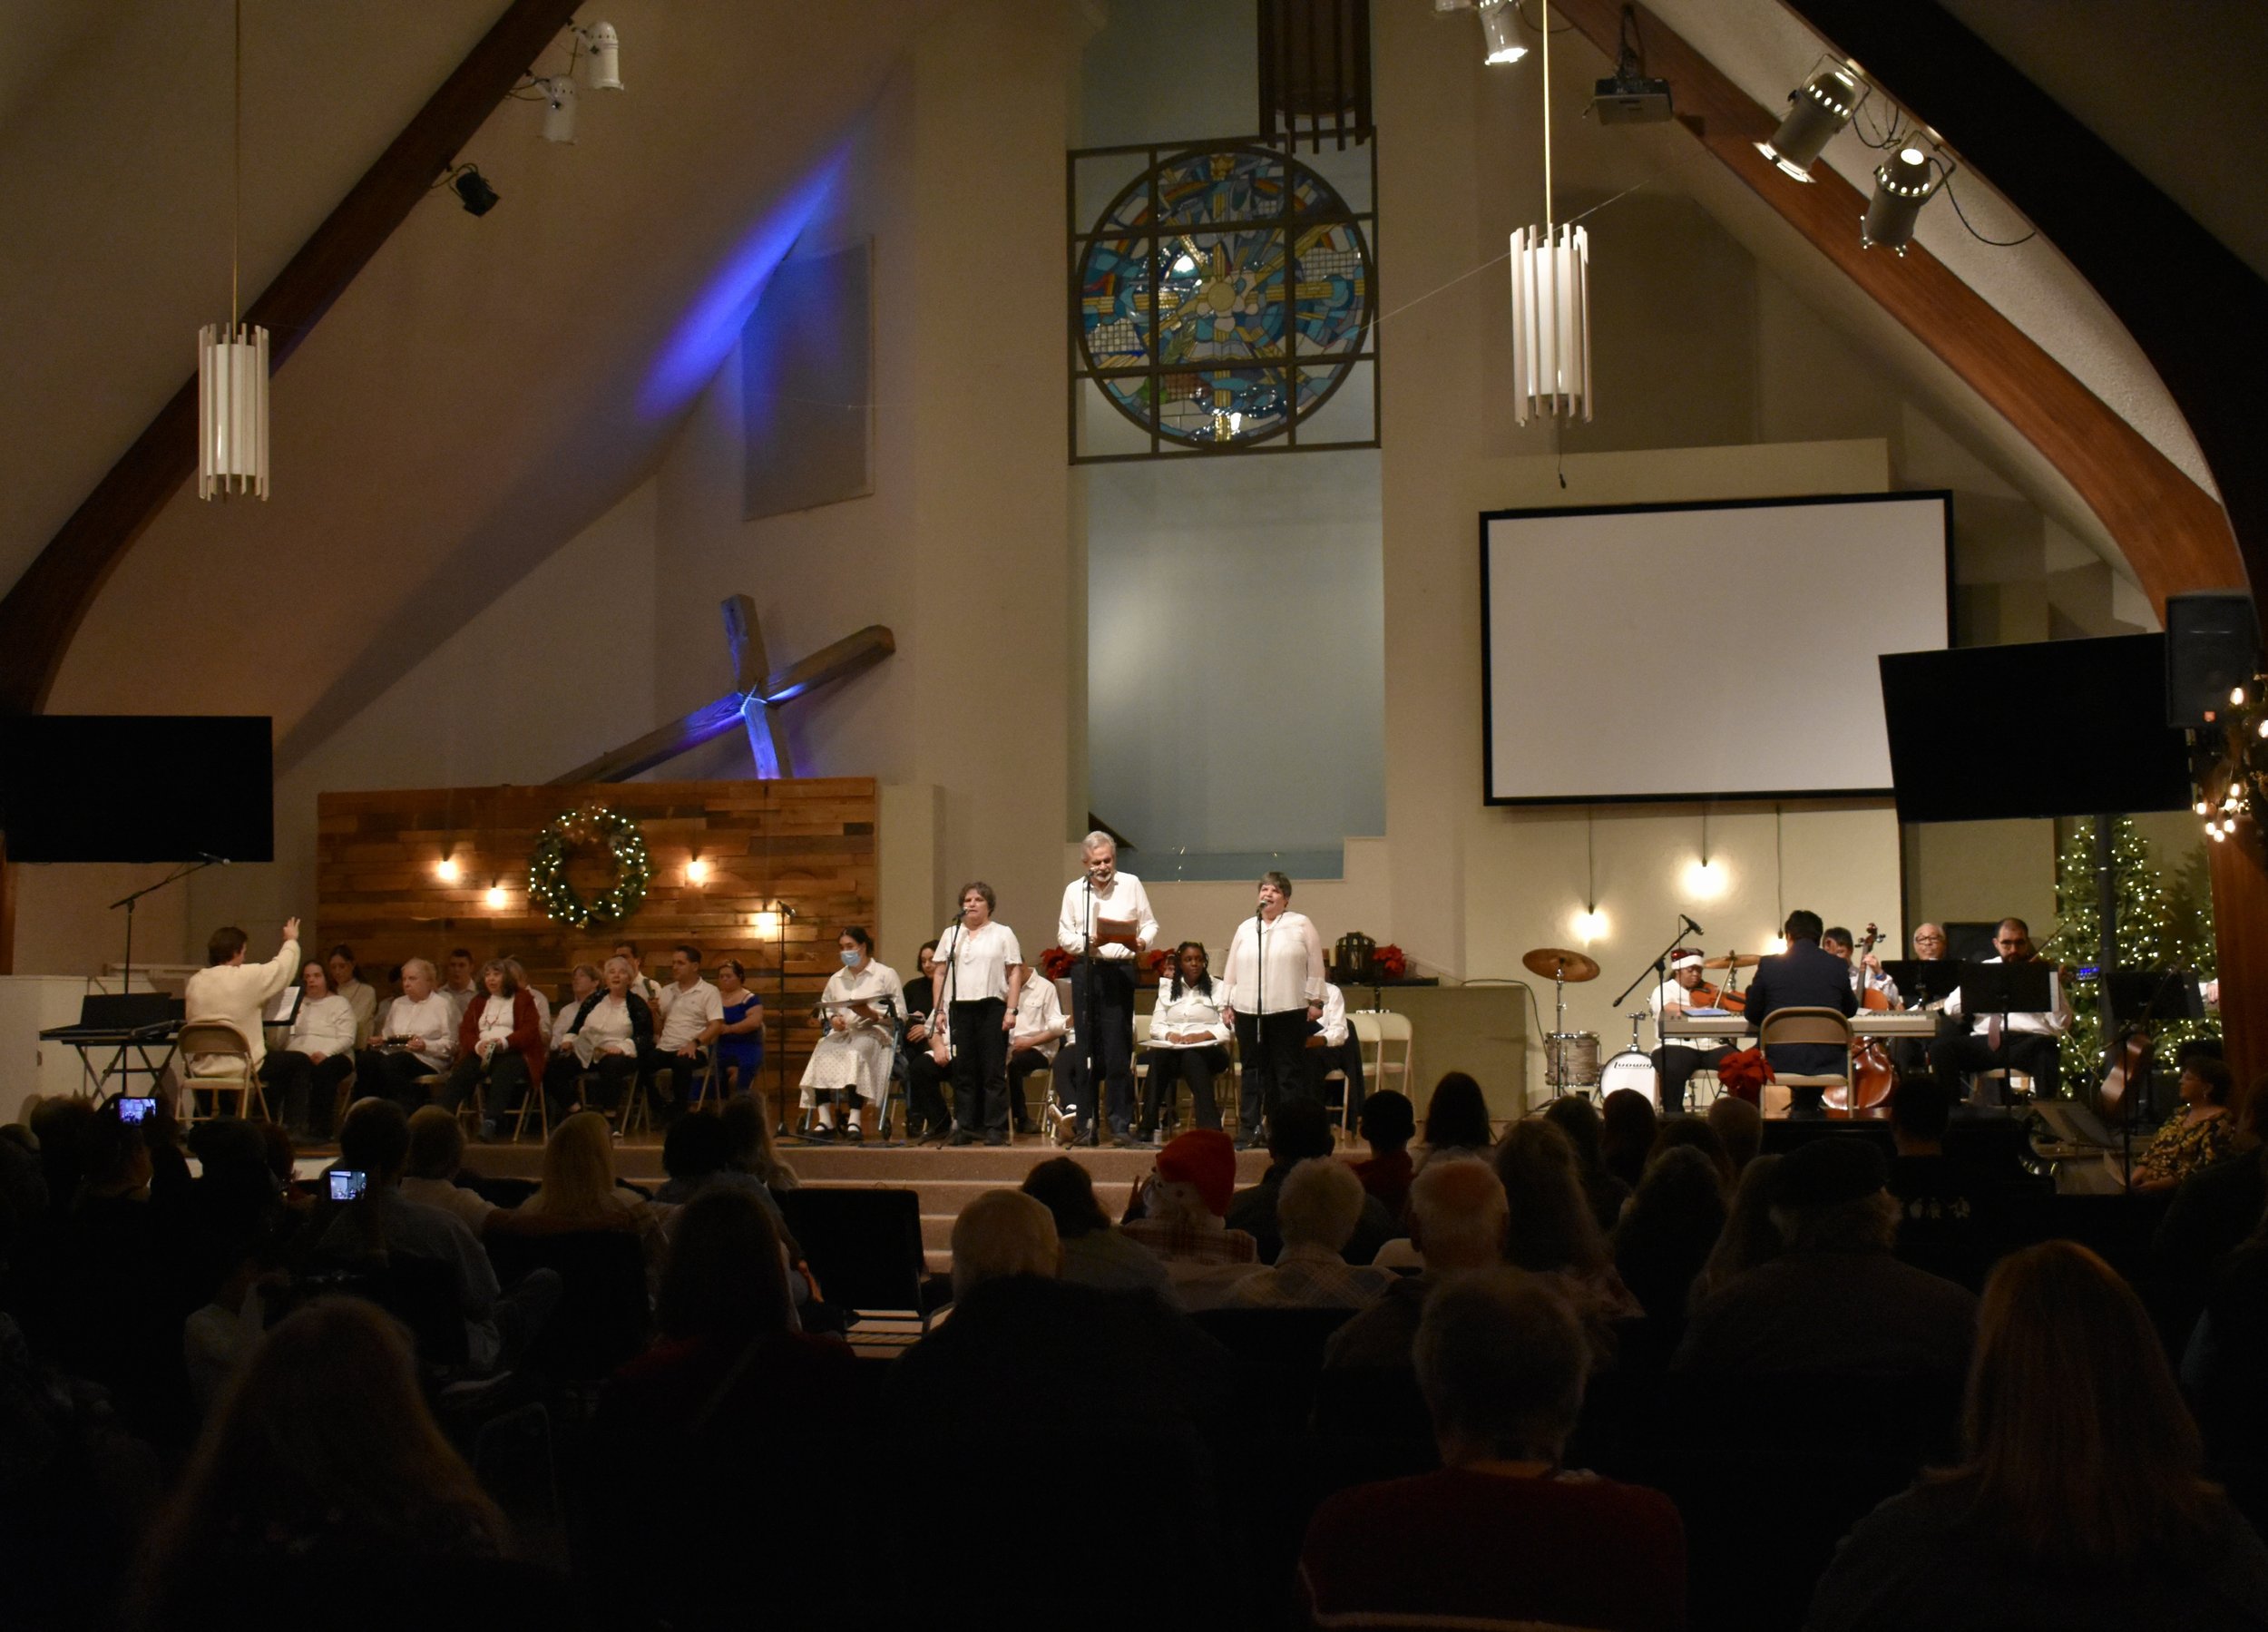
(859,1013)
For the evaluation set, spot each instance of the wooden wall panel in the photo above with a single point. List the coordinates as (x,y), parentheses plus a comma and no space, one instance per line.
(809,842)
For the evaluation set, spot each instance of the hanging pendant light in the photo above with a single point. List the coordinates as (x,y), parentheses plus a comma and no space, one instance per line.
(1550,299)
(232,362)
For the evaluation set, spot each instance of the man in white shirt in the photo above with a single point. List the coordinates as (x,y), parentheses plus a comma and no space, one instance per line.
(416,1039)
(1676,1062)
(1331,1046)
(1035,1045)
(360,995)
(457,986)
(2025,1042)
(233,992)
(692,1016)
(1116,908)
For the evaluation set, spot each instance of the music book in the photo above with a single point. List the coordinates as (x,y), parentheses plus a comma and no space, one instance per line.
(1116,931)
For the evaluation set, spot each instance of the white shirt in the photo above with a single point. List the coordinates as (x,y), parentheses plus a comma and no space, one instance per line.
(563,1021)
(364,1001)
(431,1024)
(1038,1009)
(325,1026)
(496,1022)
(870,985)
(543,1009)
(685,1013)
(980,961)
(1294,975)
(2054,1022)
(1332,1020)
(237,992)
(461,998)
(1878,983)
(1191,1012)
(1124,899)
(607,1030)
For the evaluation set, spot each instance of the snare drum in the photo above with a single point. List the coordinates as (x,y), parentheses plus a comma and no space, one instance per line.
(1571,1060)
(1632,1070)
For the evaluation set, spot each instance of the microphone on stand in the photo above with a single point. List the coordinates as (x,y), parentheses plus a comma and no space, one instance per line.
(1690,925)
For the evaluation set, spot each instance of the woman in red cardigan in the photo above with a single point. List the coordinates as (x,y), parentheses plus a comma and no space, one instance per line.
(500,1042)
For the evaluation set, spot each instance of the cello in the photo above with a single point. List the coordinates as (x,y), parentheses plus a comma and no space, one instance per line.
(1872,1076)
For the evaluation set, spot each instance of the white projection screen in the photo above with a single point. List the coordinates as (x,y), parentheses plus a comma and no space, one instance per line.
(1693,651)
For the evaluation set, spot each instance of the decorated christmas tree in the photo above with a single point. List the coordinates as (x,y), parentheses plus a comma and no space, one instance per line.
(2159,927)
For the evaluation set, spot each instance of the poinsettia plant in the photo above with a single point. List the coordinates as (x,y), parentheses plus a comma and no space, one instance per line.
(1056,963)
(1392,962)
(1158,962)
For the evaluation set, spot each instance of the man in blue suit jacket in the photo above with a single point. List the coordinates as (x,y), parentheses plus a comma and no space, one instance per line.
(1803,977)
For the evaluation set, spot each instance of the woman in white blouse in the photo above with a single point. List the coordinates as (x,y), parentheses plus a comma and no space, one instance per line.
(612,1033)
(304,1075)
(1189,1042)
(980,979)
(859,1013)
(1273,973)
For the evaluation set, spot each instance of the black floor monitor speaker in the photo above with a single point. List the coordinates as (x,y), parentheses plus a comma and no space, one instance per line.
(2212,645)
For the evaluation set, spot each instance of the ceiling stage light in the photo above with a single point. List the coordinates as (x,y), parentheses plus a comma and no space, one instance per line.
(1904,182)
(603,56)
(472,190)
(559,108)
(1817,109)
(1498,20)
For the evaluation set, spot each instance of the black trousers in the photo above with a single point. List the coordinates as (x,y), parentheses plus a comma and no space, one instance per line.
(504,1073)
(2028,1051)
(1113,1021)
(303,1091)
(1274,1047)
(616,1073)
(1169,1069)
(391,1074)
(686,1076)
(925,1107)
(1675,1064)
(980,1066)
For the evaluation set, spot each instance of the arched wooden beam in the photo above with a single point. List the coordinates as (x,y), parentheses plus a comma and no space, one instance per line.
(2171,531)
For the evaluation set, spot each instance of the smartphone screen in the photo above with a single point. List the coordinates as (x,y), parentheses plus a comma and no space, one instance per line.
(135,1107)
(348,1184)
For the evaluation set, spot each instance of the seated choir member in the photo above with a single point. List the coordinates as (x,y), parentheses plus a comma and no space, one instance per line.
(347,981)
(500,1048)
(1503,1535)
(1835,1302)
(927,1116)
(236,994)
(542,1003)
(858,1017)
(1189,1042)
(303,1076)
(416,1038)
(1331,1046)
(2029,1043)
(1316,1211)
(689,1016)
(2194,1138)
(609,1036)
(2079,1500)
(739,1047)
(456,981)
(582,984)
(1041,1028)
(642,983)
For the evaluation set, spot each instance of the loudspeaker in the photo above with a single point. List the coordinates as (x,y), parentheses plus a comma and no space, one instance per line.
(2212,645)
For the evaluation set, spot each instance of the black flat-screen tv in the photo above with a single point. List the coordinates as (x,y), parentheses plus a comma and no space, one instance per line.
(112,787)
(2049,729)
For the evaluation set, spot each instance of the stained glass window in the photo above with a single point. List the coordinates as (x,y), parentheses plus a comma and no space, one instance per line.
(1220,298)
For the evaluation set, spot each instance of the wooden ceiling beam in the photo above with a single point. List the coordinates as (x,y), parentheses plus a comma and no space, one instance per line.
(45,608)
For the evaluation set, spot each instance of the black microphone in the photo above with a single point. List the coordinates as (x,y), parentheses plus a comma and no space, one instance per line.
(211,860)
(1690,925)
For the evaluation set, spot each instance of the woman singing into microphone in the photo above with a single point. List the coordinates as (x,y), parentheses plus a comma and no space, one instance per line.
(979,979)
(1273,976)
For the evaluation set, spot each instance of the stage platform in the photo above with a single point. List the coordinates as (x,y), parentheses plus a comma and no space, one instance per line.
(947,1179)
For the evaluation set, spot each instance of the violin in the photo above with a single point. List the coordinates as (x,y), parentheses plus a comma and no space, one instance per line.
(1705,996)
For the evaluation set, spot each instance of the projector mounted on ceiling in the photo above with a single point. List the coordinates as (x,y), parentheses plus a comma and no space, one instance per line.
(1631,99)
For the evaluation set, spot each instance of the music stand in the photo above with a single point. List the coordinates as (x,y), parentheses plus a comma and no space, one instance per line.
(2152,996)
(2001,990)
(1922,981)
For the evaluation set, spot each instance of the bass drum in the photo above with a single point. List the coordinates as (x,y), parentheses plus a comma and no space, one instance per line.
(1631,1070)
(1571,1060)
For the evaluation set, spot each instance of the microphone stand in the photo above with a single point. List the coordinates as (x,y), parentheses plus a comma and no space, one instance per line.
(1089,1019)
(126,980)
(945,1008)
(1260,1015)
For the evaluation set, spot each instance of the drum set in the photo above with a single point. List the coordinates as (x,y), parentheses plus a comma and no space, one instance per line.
(1571,1063)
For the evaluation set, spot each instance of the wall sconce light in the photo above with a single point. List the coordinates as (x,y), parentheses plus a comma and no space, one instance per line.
(697,871)
(496,898)
(447,870)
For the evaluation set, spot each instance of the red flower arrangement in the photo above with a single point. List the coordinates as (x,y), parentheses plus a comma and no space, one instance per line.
(1392,962)
(1158,962)
(1056,963)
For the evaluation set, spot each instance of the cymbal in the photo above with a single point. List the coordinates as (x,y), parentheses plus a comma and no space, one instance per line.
(1557,963)
(1739,960)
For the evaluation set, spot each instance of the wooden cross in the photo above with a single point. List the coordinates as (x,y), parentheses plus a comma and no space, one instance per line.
(755,703)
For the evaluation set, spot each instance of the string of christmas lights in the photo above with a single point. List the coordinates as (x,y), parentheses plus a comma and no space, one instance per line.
(2157,928)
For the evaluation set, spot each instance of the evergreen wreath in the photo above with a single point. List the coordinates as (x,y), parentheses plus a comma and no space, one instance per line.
(595,827)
